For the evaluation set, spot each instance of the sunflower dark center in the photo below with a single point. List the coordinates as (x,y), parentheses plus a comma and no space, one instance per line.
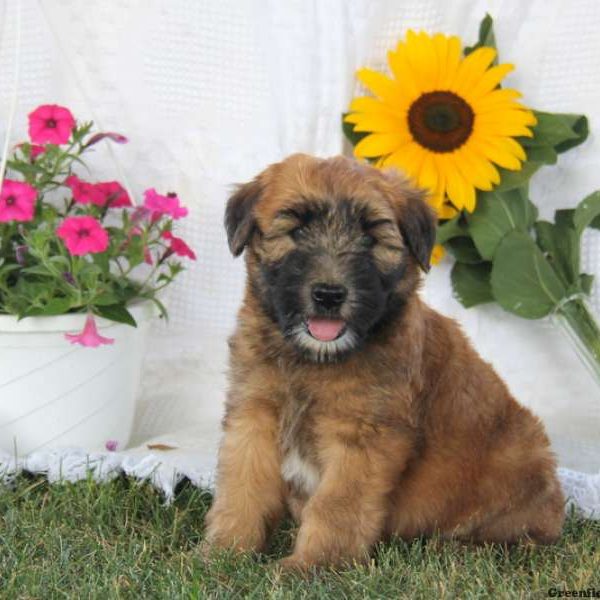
(440,121)
(10,200)
(51,123)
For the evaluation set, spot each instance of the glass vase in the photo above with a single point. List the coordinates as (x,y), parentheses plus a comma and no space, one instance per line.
(577,320)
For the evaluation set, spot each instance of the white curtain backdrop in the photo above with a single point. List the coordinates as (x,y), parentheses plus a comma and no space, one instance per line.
(210,93)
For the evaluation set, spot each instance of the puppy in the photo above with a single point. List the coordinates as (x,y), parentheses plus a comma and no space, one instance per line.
(352,404)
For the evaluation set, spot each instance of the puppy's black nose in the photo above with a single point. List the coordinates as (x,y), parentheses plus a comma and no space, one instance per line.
(329,296)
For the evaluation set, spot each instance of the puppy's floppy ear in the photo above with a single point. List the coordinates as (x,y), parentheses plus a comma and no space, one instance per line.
(416,220)
(239,215)
(417,224)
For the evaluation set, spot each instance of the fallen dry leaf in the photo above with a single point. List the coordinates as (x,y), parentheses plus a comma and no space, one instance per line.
(161,447)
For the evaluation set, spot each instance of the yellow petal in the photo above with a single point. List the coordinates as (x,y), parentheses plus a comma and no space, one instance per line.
(502,151)
(382,86)
(447,211)
(469,169)
(428,174)
(366,104)
(440,46)
(408,158)
(460,192)
(378,144)
(512,117)
(501,129)
(499,97)
(421,57)
(472,68)
(477,163)
(380,123)
(403,74)
(454,54)
(490,80)
(437,254)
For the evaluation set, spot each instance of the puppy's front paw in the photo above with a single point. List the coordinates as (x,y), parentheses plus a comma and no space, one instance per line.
(226,532)
(293,565)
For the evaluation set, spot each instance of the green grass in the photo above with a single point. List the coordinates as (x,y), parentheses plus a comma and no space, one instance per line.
(118,540)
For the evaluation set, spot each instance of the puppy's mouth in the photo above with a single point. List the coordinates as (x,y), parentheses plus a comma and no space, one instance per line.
(325,330)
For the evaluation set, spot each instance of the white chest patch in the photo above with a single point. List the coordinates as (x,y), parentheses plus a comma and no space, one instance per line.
(300,472)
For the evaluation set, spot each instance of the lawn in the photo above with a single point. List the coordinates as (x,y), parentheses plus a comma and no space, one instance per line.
(119,540)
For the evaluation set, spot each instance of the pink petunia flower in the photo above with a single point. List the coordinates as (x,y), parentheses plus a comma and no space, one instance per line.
(178,246)
(89,337)
(114,195)
(83,235)
(84,192)
(51,124)
(163,205)
(17,201)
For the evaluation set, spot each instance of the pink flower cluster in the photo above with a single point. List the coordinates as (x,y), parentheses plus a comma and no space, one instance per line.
(85,234)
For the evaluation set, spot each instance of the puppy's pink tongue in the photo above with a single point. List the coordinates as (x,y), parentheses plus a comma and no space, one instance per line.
(325,330)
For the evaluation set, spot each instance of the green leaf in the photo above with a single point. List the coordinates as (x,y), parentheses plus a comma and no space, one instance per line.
(560,244)
(586,281)
(471,283)
(580,125)
(486,37)
(510,180)
(463,250)
(55,306)
(497,214)
(353,136)
(455,227)
(39,270)
(542,154)
(586,211)
(564,217)
(523,282)
(115,312)
(106,299)
(557,131)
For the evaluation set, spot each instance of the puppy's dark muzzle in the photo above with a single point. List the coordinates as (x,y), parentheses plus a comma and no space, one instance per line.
(327,296)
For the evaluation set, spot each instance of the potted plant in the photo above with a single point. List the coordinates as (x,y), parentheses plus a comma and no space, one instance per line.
(81,271)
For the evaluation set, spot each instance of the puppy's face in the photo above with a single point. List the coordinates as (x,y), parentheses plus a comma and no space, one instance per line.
(334,249)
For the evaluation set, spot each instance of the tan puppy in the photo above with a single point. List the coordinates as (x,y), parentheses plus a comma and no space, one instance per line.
(352,403)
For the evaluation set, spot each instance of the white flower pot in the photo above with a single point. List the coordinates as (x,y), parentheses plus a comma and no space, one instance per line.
(56,394)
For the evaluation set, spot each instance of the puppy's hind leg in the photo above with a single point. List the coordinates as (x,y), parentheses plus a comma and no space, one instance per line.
(538,520)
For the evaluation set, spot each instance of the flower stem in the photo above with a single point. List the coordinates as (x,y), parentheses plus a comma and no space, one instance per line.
(583,329)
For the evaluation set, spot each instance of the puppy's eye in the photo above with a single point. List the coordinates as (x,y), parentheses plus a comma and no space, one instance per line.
(367,240)
(298,233)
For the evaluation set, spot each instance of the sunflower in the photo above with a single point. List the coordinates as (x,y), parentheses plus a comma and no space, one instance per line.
(442,118)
